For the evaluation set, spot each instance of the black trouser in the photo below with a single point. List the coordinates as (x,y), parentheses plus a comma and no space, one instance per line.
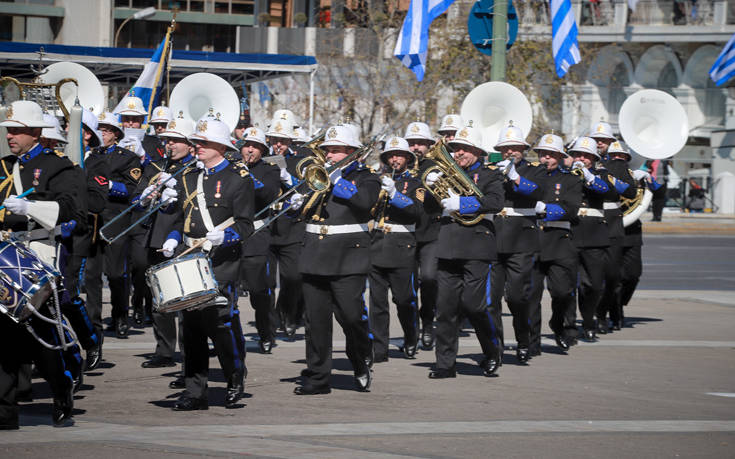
(343,297)
(400,281)
(535,293)
(561,281)
(464,285)
(290,299)
(511,277)
(591,276)
(164,324)
(218,324)
(113,260)
(139,262)
(610,301)
(631,270)
(427,265)
(73,307)
(254,275)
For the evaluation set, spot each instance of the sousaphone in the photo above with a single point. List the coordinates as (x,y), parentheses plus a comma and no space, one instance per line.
(492,105)
(654,125)
(198,92)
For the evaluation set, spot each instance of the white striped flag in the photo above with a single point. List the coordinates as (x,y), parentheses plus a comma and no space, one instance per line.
(564,36)
(724,67)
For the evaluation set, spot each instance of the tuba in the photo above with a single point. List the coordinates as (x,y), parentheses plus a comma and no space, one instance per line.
(197,93)
(654,125)
(452,178)
(492,105)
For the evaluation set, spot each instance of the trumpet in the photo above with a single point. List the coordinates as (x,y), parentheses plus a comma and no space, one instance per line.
(452,178)
(378,210)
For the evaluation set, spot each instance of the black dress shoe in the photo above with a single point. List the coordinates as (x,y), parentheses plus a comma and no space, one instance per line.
(561,341)
(191,404)
(158,362)
(427,337)
(94,356)
(138,316)
(265,346)
(62,409)
(121,327)
(364,380)
(443,374)
(178,383)
(311,390)
(616,326)
(78,381)
(589,335)
(234,394)
(522,354)
(489,367)
(290,332)
(410,350)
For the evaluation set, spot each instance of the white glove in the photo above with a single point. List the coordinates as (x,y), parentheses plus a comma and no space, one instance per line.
(169,195)
(389,185)
(148,193)
(200,165)
(540,207)
(297,200)
(16,205)
(577,165)
(286,177)
(511,173)
(216,237)
(589,177)
(335,175)
(451,204)
(639,174)
(165,177)
(168,247)
(134,145)
(502,164)
(432,178)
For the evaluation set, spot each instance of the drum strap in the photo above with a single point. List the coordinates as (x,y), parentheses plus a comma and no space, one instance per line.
(16,179)
(202,202)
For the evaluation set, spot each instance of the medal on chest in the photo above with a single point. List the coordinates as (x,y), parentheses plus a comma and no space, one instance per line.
(217,193)
(36,175)
(558,188)
(474,178)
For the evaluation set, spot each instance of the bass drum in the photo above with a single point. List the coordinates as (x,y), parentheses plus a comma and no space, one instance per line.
(26,282)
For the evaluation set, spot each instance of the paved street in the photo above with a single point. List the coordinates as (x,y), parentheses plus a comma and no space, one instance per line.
(663,387)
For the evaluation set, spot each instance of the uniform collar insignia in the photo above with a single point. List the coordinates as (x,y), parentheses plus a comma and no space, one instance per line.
(351,167)
(217,168)
(32,153)
(186,159)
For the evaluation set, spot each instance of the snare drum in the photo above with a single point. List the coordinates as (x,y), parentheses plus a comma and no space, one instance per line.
(25,281)
(182,283)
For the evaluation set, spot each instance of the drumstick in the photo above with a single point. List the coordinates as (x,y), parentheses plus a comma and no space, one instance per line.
(224,225)
(22,195)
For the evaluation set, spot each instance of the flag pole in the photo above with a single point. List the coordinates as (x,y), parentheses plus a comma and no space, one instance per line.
(500,39)
(164,55)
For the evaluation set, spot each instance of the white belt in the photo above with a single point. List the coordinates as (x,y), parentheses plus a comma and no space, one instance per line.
(564,225)
(392,228)
(36,234)
(336,229)
(611,205)
(192,241)
(257,224)
(588,212)
(512,212)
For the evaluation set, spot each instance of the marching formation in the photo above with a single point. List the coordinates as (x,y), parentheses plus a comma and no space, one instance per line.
(184,218)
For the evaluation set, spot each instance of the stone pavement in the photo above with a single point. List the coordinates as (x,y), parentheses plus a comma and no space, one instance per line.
(690,223)
(662,387)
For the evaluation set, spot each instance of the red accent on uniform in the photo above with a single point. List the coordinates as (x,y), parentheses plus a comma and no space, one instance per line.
(101,180)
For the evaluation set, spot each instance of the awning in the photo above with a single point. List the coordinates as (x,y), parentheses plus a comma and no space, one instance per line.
(123,65)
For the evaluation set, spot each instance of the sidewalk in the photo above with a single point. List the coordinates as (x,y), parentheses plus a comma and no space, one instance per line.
(700,223)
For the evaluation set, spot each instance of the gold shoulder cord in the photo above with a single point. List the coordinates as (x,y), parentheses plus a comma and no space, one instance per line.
(188,203)
(5,187)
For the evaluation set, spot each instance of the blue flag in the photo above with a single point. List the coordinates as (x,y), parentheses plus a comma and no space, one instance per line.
(413,41)
(264,93)
(564,36)
(724,67)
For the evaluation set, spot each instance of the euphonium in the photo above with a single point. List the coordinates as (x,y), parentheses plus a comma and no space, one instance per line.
(452,178)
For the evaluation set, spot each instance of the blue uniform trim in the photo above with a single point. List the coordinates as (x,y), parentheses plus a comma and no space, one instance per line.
(400,200)
(118,190)
(344,189)
(146,160)
(488,303)
(83,310)
(217,168)
(621,186)
(67,228)
(474,166)
(231,237)
(468,205)
(654,185)
(174,235)
(598,186)
(554,212)
(35,151)
(525,187)
(186,158)
(257,183)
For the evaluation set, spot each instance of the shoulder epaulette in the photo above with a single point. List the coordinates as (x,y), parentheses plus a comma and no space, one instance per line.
(535,164)
(59,153)
(375,170)
(492,167)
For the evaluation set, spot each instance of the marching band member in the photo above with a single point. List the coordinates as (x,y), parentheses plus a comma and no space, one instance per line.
(207,199)
(35,219)
(154,145)
(420,140)
(451,123)
(180,153)
(122,177)
(626,187)
(335,261)
(392,251)
(517,236)
(255,265)
(590,233)
(557,257)
(465,255)
(132,116)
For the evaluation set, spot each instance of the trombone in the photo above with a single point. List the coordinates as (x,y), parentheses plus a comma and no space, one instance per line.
(130,208)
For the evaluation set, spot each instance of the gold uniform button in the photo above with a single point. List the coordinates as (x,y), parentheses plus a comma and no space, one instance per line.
(193,224)
(357,245)
(321,237)
(215,204)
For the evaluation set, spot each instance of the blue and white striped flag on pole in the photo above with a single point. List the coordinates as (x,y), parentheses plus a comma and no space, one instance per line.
(724,67)
(152,76)
(564,36)
(413,41)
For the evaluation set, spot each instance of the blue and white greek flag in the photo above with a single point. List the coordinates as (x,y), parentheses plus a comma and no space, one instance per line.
(413,40)
(564,36)
(152,76)
(724,67)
